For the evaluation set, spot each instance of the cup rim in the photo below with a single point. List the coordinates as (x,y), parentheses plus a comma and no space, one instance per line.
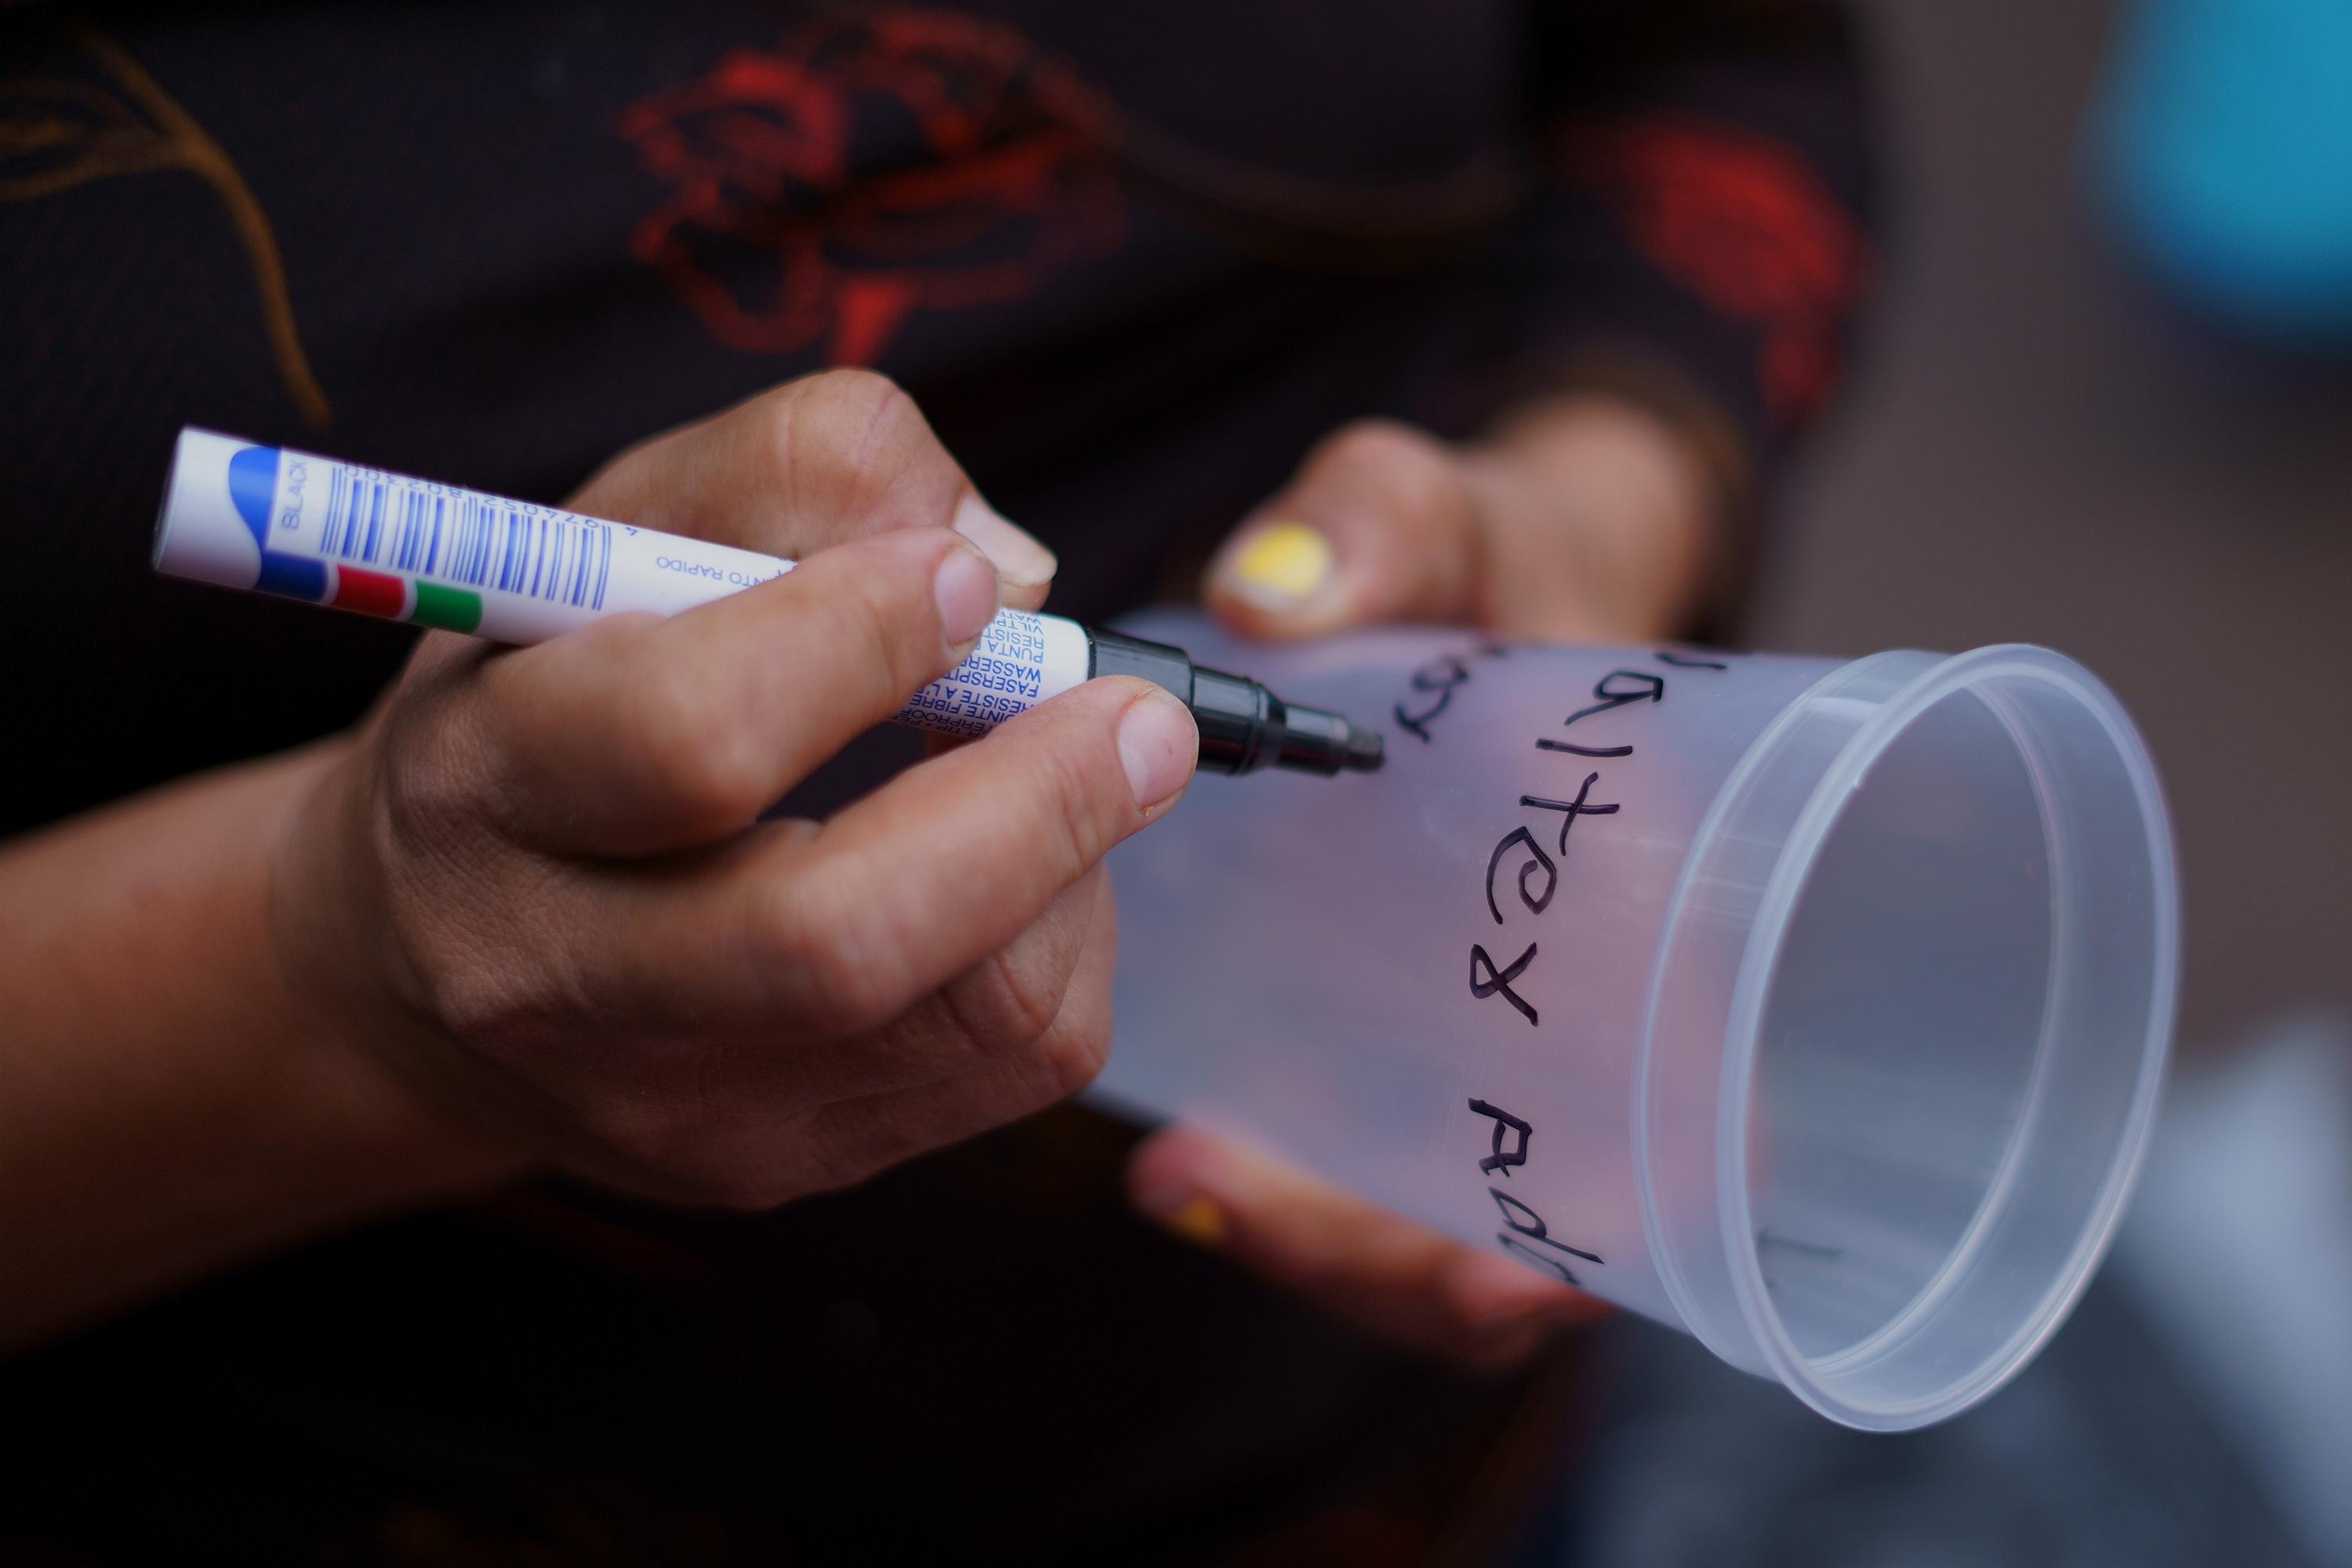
(1818,1381)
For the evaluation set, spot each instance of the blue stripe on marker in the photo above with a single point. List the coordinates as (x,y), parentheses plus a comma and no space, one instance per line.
(295,576)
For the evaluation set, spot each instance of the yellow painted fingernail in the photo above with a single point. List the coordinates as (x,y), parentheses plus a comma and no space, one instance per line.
(1197,1219)
(1280,566)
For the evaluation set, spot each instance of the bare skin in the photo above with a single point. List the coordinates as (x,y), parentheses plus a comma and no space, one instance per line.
(524,916)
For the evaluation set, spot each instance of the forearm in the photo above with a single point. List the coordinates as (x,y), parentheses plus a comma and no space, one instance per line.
(168,1102)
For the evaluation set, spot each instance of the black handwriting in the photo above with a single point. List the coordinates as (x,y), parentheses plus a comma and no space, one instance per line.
(1503,1159)
(1501,981)
(1573,808)
(1538,860)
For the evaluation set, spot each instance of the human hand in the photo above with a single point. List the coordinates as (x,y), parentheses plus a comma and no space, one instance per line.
(1364,1265)
(538,885)
(1582,519)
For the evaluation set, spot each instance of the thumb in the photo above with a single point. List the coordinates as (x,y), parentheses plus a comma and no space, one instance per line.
(1379,525)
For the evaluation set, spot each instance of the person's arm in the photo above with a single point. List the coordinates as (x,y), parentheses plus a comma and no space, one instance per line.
(530,914)
(167,1101)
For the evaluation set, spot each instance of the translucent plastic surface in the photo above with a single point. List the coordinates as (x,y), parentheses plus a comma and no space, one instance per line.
(1898,1041)
(1816,1008)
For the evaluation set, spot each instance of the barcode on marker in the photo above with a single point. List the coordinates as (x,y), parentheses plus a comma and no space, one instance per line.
(456,536)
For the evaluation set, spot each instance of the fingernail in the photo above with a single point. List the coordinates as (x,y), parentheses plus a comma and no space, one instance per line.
(1158,746)
(1195,1217)
(965,588)
(1020,560)
(1280,566)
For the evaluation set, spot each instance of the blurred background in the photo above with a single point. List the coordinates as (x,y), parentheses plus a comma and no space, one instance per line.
(2103,406)
(2043,444)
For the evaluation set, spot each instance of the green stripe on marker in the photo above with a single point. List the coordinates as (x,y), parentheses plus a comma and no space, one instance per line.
(451,609)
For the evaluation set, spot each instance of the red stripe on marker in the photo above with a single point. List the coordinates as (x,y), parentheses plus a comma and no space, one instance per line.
(370,593)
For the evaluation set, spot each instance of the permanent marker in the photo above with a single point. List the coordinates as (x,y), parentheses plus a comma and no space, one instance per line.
(329,532)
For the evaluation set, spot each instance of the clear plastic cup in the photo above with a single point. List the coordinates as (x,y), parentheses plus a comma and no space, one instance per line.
(1815,1007)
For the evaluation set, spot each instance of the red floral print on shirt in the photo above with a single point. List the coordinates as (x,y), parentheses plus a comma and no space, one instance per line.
(909,160)
(1740,220)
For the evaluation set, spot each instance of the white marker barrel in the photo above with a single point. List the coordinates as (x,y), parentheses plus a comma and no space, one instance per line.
(269,519)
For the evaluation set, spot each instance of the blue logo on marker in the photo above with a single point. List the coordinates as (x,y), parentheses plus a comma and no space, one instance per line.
(253,487)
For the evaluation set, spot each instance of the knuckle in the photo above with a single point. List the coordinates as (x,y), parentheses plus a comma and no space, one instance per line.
(428,774)
(1004,1002)
(451,890)
(1077,1048)
(1412,465)
(860,441)
(830,428)
(841,965)
(473,1003)
(1385,442)
(711,769)
(878,414)
(423,792)
(838,977)
(434,857)
(870,391)
(494,1001)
